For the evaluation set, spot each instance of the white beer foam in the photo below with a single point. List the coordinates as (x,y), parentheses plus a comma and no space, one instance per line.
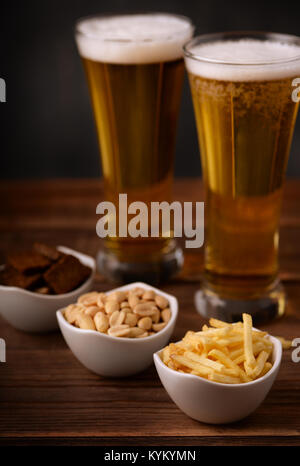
(133,39)
(254,55)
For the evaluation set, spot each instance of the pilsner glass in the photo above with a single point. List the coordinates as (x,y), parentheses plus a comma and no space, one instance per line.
(134,67)
(241,85)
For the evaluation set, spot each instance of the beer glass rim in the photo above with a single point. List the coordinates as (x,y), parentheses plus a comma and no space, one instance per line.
(135,13)
(237,35)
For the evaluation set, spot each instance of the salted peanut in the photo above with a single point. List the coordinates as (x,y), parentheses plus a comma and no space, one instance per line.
(85,322)
(161,301)
(145,334)
(151,333)
(118,296)
(166,314)
(133,300)
(101,299)
(124,304)
(150,302)
(144,309)
(119,331)
(149,295)
(156,316)
(159,327)
(117,318)
(111,306)
(92,310)
(135,332)
(145,323)
(131,319)
(138,291)
(89,299)
(127,310)
(101,322)
(72,311)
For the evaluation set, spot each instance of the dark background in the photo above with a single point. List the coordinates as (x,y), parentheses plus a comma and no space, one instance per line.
(47,126)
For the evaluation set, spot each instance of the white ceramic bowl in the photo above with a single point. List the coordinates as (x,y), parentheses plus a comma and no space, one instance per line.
(117,356)
(216,403)
(34,312)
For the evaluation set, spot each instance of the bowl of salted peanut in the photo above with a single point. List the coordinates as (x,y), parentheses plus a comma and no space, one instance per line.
(115,333)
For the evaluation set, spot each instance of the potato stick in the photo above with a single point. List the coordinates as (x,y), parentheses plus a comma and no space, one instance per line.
(215,331)
(239,359)
(171,365)
(216,344)
(257,348)
(222,342)
(238,325)
(286,344)
(195,342)
(176,348)
(217,323)
(231,341)
(230,372)
(199,342)
(204,371)
(248,347)
(256,334)
(266,369)
(260,362)
(210,343)
(229,363)
(204,361)
(199,375)
(220,356)
(235,341)
(204,328)
(205,344)
(166,354)
(173,347)
(188,346)
(221,378)
(236,352)
(191,337)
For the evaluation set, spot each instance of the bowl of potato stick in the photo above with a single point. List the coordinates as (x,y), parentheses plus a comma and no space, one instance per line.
(222,373)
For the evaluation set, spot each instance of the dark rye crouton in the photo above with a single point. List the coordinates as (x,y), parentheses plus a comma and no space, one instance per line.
(28,262)
(47,251)
(66,274)
(12,277)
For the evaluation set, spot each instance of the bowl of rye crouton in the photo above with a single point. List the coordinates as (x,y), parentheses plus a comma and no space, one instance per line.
(36,282)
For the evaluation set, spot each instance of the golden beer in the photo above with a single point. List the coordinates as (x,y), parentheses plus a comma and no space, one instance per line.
(134,67)
(245,120)
(136,109)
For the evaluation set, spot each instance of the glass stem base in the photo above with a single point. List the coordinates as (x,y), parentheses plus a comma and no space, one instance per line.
(262,309)
(152,272)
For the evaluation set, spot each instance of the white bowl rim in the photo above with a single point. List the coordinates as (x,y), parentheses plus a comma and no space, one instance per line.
(277,361)
(174,312)
(57,297)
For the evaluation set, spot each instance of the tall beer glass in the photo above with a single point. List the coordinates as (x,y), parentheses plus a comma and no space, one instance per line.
(242,86)
(134,67)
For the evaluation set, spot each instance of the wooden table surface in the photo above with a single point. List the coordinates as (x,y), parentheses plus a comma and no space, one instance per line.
(47,397)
